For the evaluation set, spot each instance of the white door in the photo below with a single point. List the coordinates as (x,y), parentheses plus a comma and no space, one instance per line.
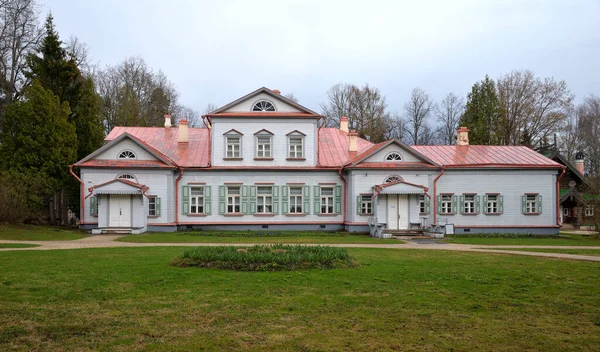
(120,211)
(403,212)
(392,211)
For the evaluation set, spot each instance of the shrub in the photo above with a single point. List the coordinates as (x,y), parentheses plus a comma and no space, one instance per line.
(266,258)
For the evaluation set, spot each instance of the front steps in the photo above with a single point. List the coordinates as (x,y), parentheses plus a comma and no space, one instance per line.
(118,231)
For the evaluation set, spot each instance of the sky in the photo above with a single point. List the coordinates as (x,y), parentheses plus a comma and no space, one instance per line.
(217,51)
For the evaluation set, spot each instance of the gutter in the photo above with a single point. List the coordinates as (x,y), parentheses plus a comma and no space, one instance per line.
(564,170)
(344,195)
(81,199)
(435,195)
(177,195)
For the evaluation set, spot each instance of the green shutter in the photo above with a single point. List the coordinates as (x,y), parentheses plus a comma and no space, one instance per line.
(358,204)
(285,199)
(439,204)
(252,197)
(338,199)
(484,204)
(524,204)
(500,204)
(222,200)
(477,203)
(317,199)
(185,196)
(462,205)
(207,200)
(245,199)
(157,206)
(539,203)
(306,200)
(275,199)
(93,206)
(454,199)
(427,205)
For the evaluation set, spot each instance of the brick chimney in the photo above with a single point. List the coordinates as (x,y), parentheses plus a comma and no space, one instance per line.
(183,132)
(167,120)
(344,124)
(353,142)
(579,162)
(276,91)
(462,136)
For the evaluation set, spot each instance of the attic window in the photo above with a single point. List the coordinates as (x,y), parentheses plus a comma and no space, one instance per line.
(127,154)
(263,105)
(126,177)
(393,178)
(393,156)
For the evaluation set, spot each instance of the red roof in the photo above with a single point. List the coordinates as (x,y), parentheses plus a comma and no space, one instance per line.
(485,156)
(149,164)
(393,165)
(333,147)
(195,153)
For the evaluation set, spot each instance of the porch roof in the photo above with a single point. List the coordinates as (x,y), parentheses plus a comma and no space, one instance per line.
(119,186)
(400,187)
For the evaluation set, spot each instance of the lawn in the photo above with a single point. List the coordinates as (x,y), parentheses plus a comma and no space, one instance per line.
(254,237)
(38,233)
(130,299)
(592,252)
(17,245)
(562,240)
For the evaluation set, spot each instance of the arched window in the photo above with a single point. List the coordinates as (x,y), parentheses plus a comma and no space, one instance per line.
(263,105)
(393,156)
(126,177)
(393,178)
(127,154)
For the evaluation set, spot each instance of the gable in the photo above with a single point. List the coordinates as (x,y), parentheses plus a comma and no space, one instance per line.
(113,151)
(380,156)
(119,186)
(246,105)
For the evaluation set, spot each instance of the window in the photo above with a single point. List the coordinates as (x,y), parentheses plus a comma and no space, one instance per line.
(126,177)
(589,210)
(295,200)
(296,150)
(565,211)
(153,206)
(197,200)
(233,199)
(393,156)
(493,204)
(445,205)
(326,200)
(366,204)
(263,105)
(469,203)
(531,204)
(94,206)
(233,146)
(127,154)
(263,146)
(422,205)
(264,200)
(394,178)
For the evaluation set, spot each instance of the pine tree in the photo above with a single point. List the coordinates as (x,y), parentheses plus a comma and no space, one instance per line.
(482,114)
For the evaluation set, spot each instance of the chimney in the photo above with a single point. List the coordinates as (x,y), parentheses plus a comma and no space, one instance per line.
(353,143)
(579,163)
(344,124)
(167,120)
(276,91)
(183,132)
(462,136)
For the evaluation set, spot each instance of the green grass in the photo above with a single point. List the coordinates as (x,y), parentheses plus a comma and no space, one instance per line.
(591,252)
(254,237)
(562,240)
(38,233)
(130,299)
(17,245)
(275,257)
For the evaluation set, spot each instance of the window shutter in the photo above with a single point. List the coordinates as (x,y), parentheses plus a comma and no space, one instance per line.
(93,206)
(524,204)
(245,200)
(317,199)
(285,199)
(462,205)
(306,200)
(500,204)
(539,203)
(358,205)
(427,205)
(207,200)
(222,203)
(454,199)
(484,204)
(157,206)
(252,197)
(185,196)
(439,204)
(338,199)
(477,203)
(275,199)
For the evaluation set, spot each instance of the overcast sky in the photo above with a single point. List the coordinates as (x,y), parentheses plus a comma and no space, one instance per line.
(216,51)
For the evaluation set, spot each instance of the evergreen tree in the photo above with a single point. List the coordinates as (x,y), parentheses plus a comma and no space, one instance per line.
(482,114)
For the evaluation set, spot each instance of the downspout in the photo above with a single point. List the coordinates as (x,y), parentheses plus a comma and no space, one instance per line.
(177,195)
(435,196)
(564,170)
(344,194)
(81,199)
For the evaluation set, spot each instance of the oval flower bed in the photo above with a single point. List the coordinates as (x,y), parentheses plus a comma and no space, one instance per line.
(266,258)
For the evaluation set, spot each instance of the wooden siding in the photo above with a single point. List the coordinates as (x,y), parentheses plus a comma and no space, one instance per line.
(126,144)
(380,155)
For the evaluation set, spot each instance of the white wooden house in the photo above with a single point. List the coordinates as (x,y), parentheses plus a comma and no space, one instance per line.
(266,162)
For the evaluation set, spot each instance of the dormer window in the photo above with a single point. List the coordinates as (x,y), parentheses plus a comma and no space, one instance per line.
(393,178)
(263,105)
(233,144)
(127,154)
(264,147)
(393,156)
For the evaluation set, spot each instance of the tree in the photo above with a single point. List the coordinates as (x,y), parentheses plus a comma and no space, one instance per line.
(588,114)
(448,115)
(291,97)
(416,112)
(481,114)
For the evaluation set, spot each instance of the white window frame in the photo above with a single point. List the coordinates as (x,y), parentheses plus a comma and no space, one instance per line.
(197,200)
(446,203)
(152,202)
(393,178)
(127,176)
(469,205)
(259,150)
(492,205)
(264,201)
(391,155)
(328,201)
(422,205)
(263,101)
(566,211)
(296,201)
(123,154)
(234,201)
(296,154)
(589,210)
(531,201)
(366,204)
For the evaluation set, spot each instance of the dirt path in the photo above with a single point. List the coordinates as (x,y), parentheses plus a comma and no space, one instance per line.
(108,241)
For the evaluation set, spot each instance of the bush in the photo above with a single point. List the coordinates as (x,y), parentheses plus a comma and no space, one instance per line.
(276,257)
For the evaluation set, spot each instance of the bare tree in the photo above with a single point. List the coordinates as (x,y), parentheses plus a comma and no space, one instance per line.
(291,97)
(428,135)
(417,110)
(589,125)
(339,103)
(191,116)
(448,115)
(570,136)
(209,108)
(79,52)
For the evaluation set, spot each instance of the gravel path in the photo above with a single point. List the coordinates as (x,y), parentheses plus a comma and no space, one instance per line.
(108,241)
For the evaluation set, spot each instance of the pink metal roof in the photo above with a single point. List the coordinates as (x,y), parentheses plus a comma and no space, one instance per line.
(333,147)
(195,153)
(485,156)
(393,165)
(149,164)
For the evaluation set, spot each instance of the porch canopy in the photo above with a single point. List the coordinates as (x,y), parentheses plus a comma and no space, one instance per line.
(399,187)
(118,186)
